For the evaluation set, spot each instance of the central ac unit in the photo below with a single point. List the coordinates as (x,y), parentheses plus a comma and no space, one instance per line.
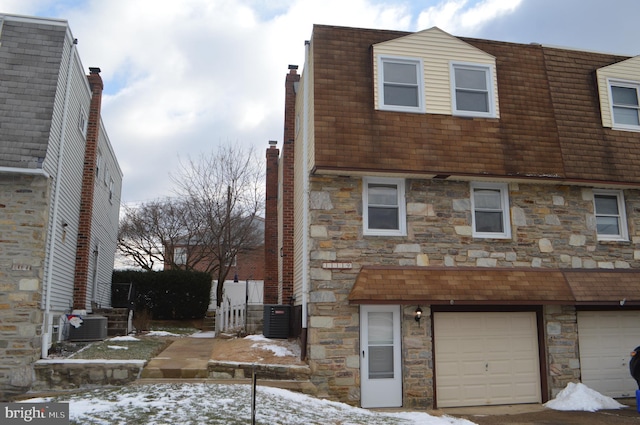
(92,328)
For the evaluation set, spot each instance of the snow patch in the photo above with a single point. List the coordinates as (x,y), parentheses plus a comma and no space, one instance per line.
(580,397)
(117,347)
(161,333)
(203,335)
(281,348)
(124,338)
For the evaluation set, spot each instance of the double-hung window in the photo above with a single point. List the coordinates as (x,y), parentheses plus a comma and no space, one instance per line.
(490,207)
(400,82)
(472,92)
(384,211)
(180,256)
(625,105)
(611,222)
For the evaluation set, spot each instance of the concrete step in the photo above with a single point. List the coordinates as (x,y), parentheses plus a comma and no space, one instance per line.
(185,358)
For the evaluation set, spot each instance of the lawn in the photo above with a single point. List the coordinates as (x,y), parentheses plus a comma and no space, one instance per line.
(142,346)
(204,403)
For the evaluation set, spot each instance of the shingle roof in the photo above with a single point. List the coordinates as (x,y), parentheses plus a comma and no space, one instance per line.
(549,126)
(30,61)
(425,285)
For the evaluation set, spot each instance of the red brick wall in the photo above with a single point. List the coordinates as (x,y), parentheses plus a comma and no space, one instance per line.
(288,151)
(83,247)
(271,251)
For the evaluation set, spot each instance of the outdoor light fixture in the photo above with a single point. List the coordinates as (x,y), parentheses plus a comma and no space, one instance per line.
(418,314)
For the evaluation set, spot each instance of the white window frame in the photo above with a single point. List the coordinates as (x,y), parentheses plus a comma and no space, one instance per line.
(402,210)
(180,256)
(623,235)
(417,62)
(626,84)
(504,208)
(488,72)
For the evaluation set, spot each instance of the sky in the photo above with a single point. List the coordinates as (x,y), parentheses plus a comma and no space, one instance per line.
(184,77)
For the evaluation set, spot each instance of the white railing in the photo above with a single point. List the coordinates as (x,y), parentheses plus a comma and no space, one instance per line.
(230,318)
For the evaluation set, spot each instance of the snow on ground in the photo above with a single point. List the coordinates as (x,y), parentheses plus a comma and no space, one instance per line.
(224,404)
(117,347)
(203,335)
(127,338)
(580,397)
(160,333)
(280,348)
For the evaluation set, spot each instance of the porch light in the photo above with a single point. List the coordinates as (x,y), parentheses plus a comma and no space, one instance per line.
(418,314)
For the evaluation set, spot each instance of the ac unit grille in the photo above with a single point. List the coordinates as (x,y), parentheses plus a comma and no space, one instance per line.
(276,321)
(93,328)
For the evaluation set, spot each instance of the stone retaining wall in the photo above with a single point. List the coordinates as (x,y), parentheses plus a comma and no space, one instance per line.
(235,370)
(76,374)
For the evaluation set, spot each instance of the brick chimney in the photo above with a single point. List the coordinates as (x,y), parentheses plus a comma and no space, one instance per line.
(271,248)
(83,247)
(288,155)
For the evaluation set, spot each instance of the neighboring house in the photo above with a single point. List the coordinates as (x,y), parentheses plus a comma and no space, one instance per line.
(246,275)
(457,220)
(59,193)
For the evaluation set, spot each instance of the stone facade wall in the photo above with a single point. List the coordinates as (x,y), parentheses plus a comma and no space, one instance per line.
(561,335)
(71,375)
(417,359)
(23,219)
(553,226)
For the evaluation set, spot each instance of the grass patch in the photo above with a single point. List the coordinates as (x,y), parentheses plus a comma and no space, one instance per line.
(144,349)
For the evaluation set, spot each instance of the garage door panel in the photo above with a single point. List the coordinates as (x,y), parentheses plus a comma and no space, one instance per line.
(486,358)
(605,340)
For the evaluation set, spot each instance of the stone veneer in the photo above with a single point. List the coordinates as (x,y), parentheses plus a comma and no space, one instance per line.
(23,220)
(553,226)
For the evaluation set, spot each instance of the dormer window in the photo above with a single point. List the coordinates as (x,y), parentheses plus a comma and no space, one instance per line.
(472,92)
(401,88)
(625,108)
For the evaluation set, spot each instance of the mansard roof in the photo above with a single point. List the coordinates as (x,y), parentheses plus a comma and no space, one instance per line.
(549,126)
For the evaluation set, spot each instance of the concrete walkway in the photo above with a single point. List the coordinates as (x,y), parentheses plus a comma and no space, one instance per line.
(185,358)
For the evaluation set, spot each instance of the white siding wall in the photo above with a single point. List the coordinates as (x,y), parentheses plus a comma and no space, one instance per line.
(437,49)
(628,70)
(70,179)
(104,223)
(298,178)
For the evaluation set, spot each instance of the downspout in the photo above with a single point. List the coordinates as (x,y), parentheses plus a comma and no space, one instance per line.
(94,277)
(46,325)
(305,190)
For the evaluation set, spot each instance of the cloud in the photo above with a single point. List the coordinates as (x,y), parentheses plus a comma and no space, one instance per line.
(182,77)
(460,18)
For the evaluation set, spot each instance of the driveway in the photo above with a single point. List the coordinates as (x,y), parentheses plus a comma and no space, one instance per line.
(538,415)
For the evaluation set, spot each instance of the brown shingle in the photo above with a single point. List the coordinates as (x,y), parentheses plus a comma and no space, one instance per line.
(549,125)
(424,285)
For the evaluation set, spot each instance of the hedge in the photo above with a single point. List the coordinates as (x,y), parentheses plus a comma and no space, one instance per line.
(167,295)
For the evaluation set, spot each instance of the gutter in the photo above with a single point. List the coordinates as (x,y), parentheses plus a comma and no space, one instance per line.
(25,171)
(46,325)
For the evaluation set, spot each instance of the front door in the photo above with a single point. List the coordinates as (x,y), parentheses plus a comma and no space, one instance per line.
(380,362)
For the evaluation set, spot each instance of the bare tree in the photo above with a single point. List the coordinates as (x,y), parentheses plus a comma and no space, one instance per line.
(146,229)
(223,194)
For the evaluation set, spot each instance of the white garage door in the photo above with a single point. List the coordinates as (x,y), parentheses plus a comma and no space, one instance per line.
(606,338)
(486,358)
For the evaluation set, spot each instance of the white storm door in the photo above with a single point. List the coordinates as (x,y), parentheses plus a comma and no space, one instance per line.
(380,362)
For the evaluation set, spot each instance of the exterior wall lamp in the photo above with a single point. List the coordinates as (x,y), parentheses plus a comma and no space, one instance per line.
(418,314)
